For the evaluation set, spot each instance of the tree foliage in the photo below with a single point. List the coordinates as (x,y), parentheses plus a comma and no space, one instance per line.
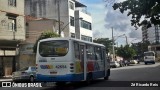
(106,42)
(150,9)
(44,35)
(140,47)
(126,52)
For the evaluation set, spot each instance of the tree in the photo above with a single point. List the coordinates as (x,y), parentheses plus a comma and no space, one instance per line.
(140,47)
(106,42)
(150,9)
(126,52)
(44,35)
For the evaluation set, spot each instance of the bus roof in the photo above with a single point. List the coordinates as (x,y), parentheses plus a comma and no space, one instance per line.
(68,38)
(149,52)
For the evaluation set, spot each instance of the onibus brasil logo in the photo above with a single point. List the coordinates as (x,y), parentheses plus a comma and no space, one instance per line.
(12,84)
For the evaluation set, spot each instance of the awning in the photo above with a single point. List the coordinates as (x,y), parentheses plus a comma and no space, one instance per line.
(9,44)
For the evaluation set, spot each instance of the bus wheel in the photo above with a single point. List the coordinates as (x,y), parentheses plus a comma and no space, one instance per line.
(31,79)
(106,77)
(89,78)
(108,74)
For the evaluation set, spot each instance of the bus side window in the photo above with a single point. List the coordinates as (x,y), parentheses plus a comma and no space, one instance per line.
(76,49)
(90,52)
(98,53)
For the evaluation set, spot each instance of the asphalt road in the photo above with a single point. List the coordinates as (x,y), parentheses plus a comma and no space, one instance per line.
(140,76)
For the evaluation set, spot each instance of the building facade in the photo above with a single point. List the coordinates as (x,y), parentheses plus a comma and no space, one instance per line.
(76,20)
(34,28)
(12,33)
(151,34)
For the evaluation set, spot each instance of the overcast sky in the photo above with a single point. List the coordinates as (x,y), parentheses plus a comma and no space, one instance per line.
(104,17)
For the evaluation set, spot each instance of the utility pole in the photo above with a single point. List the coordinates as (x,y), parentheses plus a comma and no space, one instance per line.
(113,46)
(59,18)
(126,40)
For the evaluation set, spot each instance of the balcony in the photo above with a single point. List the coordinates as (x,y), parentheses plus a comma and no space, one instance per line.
(83,10)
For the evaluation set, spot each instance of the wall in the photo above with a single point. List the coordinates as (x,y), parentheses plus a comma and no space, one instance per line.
(48,9)
(19,10)
(36,27)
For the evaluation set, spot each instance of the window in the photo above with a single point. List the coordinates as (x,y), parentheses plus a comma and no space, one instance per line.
(86,25)
(72,21)
(73,35)
(76,49)
(90,53)
(54,48)
(98,53)
(71,5)
(86,38)
(12,3)
(12,23)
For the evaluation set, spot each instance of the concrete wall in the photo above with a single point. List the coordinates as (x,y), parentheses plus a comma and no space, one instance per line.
(48,9)
(36,27)
(18,10)
(27,60)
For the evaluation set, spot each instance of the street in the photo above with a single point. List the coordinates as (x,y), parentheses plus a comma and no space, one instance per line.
(120,79)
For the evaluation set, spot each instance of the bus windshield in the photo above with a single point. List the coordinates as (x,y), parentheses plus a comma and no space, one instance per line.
(54,48)
(149,54)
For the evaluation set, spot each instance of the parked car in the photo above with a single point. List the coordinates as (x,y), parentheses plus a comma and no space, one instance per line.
(26,73)
(114,64)
(126,63)
(122,63)
(133,62)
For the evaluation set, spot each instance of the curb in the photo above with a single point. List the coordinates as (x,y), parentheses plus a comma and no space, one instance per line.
(3,80)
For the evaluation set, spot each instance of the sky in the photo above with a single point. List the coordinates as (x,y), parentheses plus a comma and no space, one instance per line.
(104,18)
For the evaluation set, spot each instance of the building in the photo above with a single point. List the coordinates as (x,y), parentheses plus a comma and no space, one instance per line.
(77,21)
(34,28)
(12,32)
(151,34)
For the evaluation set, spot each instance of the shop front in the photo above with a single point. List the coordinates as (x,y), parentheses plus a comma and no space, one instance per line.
(8,57)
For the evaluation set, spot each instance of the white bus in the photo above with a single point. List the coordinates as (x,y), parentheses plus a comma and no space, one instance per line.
(68,60)
(149,57)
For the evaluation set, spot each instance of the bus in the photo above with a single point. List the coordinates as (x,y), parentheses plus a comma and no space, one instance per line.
(69,60)
(149,57)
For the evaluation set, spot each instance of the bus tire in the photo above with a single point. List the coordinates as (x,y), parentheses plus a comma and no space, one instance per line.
(31,79)
(106,77)
(89,78)
(145,63)
(108,74)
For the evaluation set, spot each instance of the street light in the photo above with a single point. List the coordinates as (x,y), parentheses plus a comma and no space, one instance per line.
(113,40)
(67,25)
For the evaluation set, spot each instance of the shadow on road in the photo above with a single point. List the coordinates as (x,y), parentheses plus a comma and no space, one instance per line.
(76,85)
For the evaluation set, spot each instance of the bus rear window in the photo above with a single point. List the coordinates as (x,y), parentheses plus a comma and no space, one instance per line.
(54,48)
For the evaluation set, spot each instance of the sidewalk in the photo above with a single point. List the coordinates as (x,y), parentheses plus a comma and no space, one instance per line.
(5,78)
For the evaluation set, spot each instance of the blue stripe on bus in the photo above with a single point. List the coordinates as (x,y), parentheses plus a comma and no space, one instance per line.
(68,77)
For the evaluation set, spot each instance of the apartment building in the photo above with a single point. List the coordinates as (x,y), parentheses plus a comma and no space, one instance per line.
(76,20)
(151,34)
(12,32)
